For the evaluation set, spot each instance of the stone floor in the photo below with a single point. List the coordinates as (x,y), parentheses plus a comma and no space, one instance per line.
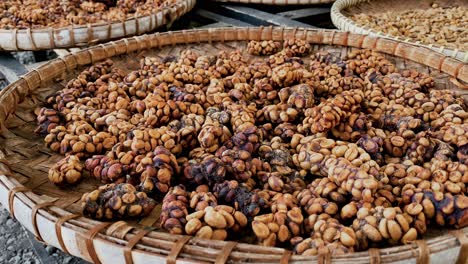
(18,246)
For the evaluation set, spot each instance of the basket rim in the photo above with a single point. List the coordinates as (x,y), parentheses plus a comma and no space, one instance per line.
(25,203)
(130,27)
(279,2)
(343,22)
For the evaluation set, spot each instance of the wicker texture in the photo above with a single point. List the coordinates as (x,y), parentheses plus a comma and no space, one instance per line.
(280,2)
(342,10)
(85,35)
(53,214)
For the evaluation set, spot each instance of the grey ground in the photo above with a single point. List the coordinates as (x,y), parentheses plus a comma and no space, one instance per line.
(18,246)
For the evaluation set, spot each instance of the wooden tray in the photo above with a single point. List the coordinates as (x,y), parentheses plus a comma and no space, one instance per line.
(53,214)
(280,2)
(85,35)
(342,10)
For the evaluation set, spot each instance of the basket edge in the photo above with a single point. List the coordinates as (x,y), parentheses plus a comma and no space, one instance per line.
(86,35)
(71,235)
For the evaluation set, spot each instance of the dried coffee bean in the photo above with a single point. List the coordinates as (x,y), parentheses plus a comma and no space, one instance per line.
(297,47)
(67,171)
(116,201)
(174,210)
(278,227)
(266,47)
(157,169)
(215,222)
(330,113)
(379,224)
(442,208)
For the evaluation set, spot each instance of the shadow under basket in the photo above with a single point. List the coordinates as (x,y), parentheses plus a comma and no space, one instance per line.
(53,214)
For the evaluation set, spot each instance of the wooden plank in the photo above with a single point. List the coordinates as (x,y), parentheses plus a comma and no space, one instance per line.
(64,52)
(32,66)
(61,52)
(74,49)
(305,12)
(221,19)
(260,18)
(216,25)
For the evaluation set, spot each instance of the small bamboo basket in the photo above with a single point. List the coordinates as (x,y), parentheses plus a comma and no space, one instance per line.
(280,2)
(53,214)
(90,34)
(342,10)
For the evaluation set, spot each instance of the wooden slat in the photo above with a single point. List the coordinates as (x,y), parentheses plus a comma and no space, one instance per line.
(64,52)
(220,18)
(260,18)
(216,25)
(305,12)
(61,52)
(74,49)
(32,66)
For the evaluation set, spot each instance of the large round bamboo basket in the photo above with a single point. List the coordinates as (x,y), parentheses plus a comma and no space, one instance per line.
(53,214)
(342,10)
(280,2)
(85,35)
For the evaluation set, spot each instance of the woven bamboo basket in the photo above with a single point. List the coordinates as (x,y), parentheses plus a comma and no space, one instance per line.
(280,2)
(342,10)
(53,214)
(85,35)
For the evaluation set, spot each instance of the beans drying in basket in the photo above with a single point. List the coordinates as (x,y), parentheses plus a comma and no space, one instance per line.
(315,153)
(440,25)
(58,13)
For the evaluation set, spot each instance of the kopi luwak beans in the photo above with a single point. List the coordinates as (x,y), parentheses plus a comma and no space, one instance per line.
(318,154)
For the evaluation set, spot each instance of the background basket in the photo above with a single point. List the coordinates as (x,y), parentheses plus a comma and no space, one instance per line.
(52,214)
(84,35)
(342,10)
(280,2)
